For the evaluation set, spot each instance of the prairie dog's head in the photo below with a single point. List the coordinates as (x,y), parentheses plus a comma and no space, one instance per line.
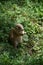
(19,29)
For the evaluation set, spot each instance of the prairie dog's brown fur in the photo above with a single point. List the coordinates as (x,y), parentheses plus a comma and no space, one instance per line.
(16,34)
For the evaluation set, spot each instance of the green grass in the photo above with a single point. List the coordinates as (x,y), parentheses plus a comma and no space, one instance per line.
(30,15)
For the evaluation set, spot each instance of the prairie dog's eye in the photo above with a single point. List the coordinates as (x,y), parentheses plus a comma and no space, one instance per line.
(21,29)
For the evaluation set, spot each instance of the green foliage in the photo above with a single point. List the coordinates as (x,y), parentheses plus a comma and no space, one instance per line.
(20,2)
(30,14)
(6,59)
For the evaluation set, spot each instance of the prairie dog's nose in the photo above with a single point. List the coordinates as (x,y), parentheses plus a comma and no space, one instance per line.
(23,32)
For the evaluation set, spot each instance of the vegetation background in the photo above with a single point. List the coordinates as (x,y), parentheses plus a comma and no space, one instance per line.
(30,14)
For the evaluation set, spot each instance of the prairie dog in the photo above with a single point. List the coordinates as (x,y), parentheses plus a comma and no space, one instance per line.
(16,34)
